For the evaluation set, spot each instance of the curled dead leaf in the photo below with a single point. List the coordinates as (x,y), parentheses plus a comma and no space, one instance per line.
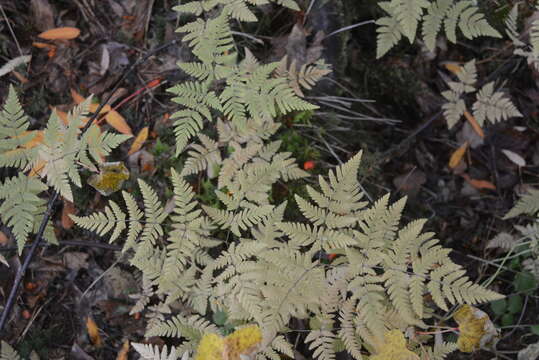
(475,125)
(61,33)
(457,155)
(139,141)
(478,184)
(93,332)
(122,354)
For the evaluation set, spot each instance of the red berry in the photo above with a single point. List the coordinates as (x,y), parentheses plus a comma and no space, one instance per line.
(308,165)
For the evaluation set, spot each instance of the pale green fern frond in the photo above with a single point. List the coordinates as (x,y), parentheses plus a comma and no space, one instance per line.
(14,135)
(389,30)
(236,220)
(154,213)
(493,106)
(527,204)
(102,222)
(405,16)
(202,157)
(408,13)
(439,352)
(191,328)
(432,23)
(21,204)
(149,352)
(8,353)
(321,344)
(511,28)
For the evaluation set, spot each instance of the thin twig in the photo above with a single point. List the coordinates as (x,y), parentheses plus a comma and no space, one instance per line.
(11,30)
(39,236)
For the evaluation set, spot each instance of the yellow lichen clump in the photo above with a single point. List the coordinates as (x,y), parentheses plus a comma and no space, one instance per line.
(394,348)
(241,342)
(110,178)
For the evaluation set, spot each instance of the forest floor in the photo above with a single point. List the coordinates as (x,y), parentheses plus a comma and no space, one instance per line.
(392,112)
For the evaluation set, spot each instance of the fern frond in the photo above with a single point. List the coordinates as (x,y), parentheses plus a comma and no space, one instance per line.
(238,220)
(202,156)
(389,30)
(432,23)
(14,135)
(8,353)
(154,213)
(322,343)
(493,106)
(527,204)
(134,225)
(102,222)
(347,332)
(511,27)
(408,13)
(149,352)
(191,328)
(439,352)
(21,205)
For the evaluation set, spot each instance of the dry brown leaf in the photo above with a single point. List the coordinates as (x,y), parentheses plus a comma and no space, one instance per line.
(139,141)
(68,209)
(474,124)
(93,332)
(77,98)
(61,33)
(479,184)
(457,155)
(122,355)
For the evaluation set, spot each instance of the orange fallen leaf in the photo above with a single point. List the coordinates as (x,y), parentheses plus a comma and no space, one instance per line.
(453,67)
(122,354)
(61,33)
(93,332)
(113,118)
(118,122)
(457,155)
(139,141)
(77,98)
(68,209)
(475,125)
(42,45)
(479,184)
